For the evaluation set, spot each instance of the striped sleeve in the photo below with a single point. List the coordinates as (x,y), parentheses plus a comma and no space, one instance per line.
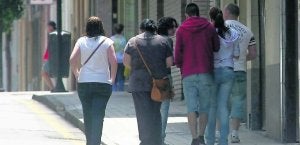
(252,41)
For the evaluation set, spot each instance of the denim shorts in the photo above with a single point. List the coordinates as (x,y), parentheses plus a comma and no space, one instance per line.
(238,97)
(46,67)
(198,90)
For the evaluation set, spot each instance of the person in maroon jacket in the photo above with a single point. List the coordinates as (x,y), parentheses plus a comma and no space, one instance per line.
(196,40)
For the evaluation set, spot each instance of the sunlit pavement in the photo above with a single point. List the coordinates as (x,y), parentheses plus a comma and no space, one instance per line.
(120,126)
(24,121)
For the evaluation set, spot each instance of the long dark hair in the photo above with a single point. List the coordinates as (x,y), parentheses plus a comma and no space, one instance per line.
(164,24)
(217,16)
(94,27)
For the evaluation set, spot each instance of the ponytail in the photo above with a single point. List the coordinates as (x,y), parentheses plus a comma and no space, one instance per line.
(217,15)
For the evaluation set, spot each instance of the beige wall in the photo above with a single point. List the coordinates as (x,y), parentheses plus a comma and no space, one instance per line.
(30,33)
(153,9)
(273,91)
(224,2)
(173,9)
(104,11)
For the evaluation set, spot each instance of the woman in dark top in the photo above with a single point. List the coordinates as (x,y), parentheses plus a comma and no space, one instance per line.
(158,56)
(166,28)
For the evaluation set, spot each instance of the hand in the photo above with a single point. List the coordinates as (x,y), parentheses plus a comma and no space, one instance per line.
(112,81)
(76,75)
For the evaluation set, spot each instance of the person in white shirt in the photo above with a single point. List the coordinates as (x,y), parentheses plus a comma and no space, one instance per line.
(223,78)
(94,64)
(248,52)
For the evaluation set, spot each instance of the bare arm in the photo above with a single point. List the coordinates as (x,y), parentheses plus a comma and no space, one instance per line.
(178,55)
(252,53)
(75,61)
(127,60)
(112,62)
(169,61)
(236,50)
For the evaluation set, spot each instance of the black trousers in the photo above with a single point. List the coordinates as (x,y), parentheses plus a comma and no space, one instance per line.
(94,98)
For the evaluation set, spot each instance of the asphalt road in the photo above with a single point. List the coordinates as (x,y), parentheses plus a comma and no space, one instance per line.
(24,121)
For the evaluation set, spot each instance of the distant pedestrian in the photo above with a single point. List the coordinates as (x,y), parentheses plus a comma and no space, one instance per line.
(157,53)
(224,78)
(119,44)
(196,40)
(166,28)
(247,46)
(46,68)
(94,64)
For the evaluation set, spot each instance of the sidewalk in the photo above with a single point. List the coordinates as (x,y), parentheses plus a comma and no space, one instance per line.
(120,126)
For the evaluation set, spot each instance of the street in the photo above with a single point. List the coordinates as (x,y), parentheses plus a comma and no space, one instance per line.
(24,121)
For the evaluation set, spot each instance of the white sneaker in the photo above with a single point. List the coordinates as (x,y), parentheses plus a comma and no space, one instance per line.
(235,139)
(217,136)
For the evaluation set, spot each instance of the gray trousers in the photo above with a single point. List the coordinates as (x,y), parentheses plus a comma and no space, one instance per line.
(148,118)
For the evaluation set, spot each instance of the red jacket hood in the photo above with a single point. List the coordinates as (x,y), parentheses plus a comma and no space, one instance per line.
(195,24)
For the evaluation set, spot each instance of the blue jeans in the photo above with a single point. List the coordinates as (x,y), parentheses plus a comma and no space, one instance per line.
(148,118)
(164,111)
(198,91)
(224,78)
(94,98)
(238,97)
(120,78)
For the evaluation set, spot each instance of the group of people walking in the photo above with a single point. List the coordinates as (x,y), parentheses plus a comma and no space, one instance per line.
(212,58)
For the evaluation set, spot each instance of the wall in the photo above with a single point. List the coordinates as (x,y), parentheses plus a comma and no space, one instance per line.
(104,11)
(153,9)
(273,90)
(30,34)
(173,9)
(128,15)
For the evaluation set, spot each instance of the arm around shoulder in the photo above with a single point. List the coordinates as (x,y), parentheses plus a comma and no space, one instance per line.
(252,52)
(215,41)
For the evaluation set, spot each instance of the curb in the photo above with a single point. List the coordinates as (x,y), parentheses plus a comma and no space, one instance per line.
(60,109)
(55,105)
(69,116)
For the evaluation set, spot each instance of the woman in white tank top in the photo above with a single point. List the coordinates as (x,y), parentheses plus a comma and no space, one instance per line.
(94,64)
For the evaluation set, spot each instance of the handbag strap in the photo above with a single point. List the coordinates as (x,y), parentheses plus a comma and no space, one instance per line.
(94,51)
(140,53)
